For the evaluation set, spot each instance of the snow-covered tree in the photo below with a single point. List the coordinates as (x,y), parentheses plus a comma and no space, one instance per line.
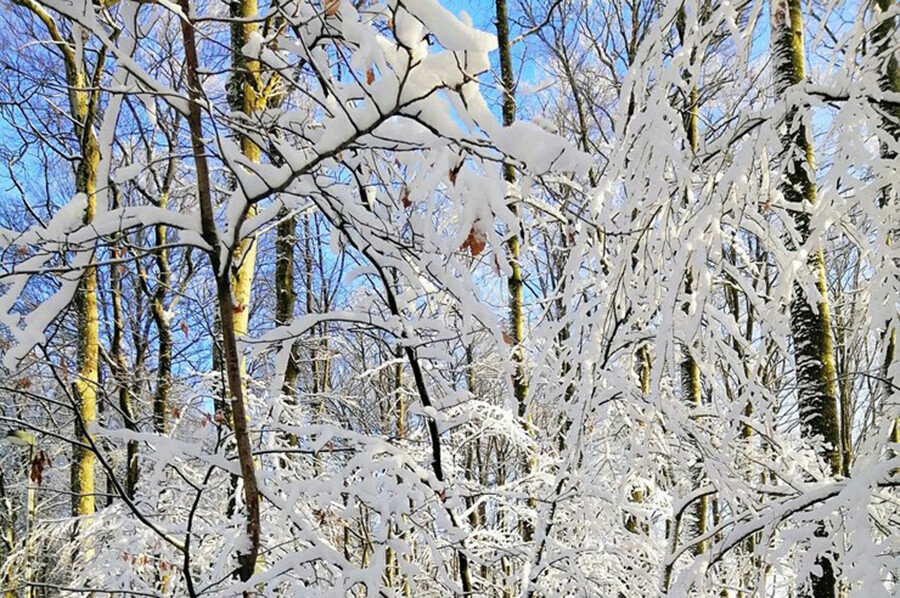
(554,298)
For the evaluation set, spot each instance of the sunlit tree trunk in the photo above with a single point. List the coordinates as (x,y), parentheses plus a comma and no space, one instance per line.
(690,371)
(514,282)
(88,355)
(246,95)
(83,101)
(810,324)
(889,64)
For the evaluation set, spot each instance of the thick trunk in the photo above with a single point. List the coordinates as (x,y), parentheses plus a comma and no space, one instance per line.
(87,360)
(889,65)
(889,82)
(83,100)
(810,324)
(309,295)
(245,95)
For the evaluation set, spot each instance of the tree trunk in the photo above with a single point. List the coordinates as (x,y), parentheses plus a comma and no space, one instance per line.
(690,371)
(87,360)
(514,282)
(8,531)
(221,267)
(810,325)
(245,95)
(889,82)
(285,296)
(120,365)
(163,327)
(31,517)
(124,390)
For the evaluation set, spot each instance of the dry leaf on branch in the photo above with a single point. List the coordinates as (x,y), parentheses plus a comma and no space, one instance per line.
(454,172)
(475,242)
(404,196)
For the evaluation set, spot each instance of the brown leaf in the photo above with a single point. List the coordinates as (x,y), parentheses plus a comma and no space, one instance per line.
(23,383)
(176,412)
(404,196)
(40,462)
(331,7)
(370,77)
(238,308)
(475,242)
(455,171)
(508,339)
(184,327)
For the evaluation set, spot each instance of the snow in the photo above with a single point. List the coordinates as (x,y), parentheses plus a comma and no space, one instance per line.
(388,152)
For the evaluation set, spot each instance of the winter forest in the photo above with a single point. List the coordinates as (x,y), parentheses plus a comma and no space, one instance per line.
(433,298)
